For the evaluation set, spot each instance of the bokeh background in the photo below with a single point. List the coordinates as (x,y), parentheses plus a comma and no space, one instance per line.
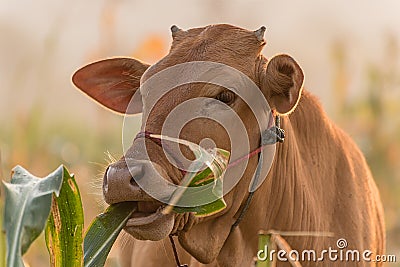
(349,50)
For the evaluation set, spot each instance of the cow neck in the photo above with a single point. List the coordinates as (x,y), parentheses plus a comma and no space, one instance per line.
(272,135)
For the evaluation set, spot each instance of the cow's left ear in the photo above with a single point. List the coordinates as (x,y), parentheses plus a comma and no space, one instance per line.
(113,83)
(283,83)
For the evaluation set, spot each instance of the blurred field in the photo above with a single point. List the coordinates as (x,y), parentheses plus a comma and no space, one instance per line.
(351,61)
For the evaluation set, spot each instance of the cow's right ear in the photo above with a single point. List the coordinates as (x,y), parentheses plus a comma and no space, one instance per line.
(283,83)
(113,83)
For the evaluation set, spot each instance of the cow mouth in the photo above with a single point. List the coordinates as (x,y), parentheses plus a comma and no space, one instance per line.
(148,222)
(145,213)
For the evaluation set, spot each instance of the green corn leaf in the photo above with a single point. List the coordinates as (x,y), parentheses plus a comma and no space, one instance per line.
(204,210)
(103,232)
(27,207)
(211,179)
(2,235)
(215,169)
(65,226)
(264,241)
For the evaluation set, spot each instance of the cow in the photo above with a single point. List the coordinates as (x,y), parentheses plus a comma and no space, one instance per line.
(318,180)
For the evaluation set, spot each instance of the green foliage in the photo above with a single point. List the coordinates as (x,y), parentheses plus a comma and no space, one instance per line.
(103,232)
(2,237)
(264,240)
(65,225)
(28,201)
(204,187)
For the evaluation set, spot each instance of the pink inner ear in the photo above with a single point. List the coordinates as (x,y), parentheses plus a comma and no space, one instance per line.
(113,83)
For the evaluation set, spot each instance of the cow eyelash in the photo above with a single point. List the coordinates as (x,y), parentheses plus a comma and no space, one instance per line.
(226,97)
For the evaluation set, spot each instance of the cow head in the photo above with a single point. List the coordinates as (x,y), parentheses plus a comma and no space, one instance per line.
(117,84)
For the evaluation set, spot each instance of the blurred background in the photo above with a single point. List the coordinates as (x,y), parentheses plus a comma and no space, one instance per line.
(349,51)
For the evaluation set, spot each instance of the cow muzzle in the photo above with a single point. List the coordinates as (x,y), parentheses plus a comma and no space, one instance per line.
(125,180)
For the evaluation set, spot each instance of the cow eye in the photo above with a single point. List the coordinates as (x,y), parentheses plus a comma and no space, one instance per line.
(226,97)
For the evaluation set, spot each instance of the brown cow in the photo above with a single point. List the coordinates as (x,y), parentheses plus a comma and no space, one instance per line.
(319,180)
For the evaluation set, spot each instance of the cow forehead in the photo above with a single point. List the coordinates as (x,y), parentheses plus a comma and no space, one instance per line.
(219,35)
(220,43)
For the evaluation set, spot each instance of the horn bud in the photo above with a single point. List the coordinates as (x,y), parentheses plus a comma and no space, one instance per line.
(174,30)
(260,33)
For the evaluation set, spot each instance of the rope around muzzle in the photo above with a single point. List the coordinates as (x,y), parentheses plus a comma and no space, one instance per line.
(274,134)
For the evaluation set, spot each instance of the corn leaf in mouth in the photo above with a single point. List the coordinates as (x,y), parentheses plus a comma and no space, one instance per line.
(212,174)
(215,169)
(103,232)
(209,181)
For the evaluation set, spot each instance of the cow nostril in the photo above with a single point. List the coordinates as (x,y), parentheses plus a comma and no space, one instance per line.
(132,181)
(136,174)
(105,180)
